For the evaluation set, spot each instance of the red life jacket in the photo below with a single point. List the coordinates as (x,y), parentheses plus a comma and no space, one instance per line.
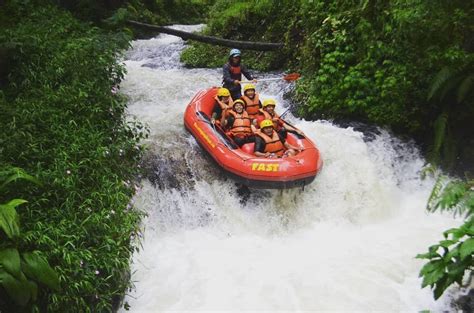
(241,126)
(252,105)
(235,72)
(277,122)
(272,144)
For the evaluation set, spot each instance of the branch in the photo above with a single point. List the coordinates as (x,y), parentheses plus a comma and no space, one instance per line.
(249,45)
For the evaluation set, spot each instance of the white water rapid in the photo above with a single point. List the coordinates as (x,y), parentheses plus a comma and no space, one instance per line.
(346,243)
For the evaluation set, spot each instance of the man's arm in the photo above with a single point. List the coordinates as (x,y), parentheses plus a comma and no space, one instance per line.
(245,72)
(260,147)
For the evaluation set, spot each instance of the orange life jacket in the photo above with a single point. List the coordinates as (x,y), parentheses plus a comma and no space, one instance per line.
(252,105)
(277,122)
(235,72)
(241,126)
(272,144)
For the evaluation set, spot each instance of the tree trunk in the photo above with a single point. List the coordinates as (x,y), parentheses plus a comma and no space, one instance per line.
(248,45)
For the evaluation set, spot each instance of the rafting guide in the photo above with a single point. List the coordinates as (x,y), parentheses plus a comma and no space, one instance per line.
(232,73)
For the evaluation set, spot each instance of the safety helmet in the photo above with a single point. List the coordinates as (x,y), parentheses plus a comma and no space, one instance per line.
(223,92)
(238,101)
(266,123)
(268,102)
(234,53)
(248,87)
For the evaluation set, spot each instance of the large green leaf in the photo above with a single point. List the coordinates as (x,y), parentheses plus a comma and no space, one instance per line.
(432,278)
(33,289)
(15,202)
(456,232)
(431,266)
(10,260)
(37,268)
(441,286)
(467,248)
(18,289)
(15,174)
(9,221)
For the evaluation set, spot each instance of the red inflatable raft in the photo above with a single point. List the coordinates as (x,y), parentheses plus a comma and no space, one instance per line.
(241,163)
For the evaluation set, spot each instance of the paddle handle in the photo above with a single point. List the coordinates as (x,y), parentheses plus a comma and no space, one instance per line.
(262,80)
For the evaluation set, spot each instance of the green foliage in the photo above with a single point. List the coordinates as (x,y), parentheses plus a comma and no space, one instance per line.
(204,55)
(453,195)
(10,175)
(62,123)
(453,257)
(9,221)
(154,11)
(185,11)
(36,267)
(19,277)
(451,90)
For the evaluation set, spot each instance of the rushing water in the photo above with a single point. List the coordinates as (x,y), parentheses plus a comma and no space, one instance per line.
(346,242)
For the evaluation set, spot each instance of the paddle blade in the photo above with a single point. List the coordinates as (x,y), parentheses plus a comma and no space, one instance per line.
(291,77)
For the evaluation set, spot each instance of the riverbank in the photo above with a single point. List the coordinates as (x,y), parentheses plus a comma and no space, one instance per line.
(65,122)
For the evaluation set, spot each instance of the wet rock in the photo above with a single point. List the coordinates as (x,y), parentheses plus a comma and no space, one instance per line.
(465,303)
(243,192)
(369,131)
(167,172)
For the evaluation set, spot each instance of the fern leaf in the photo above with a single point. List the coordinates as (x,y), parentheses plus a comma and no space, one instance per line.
(363,4)
(465,88)
(439,132)
(440,80)
(449,87)
(436,193)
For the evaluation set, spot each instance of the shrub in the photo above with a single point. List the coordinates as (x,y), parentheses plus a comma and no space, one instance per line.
(62,123)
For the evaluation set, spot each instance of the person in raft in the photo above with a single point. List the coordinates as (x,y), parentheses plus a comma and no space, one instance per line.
(239,125)
(252,101)
(267,112)
(222,103)
(232,74)
(269,144)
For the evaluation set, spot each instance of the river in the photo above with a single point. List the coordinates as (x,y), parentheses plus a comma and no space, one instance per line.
(347,242)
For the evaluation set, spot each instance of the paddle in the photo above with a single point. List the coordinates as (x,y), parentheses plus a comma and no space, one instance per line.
(288,77)
(284,113)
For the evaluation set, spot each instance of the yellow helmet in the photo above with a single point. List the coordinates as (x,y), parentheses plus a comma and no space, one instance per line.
(249,86)
(269,102)
(266,123)
(223,92)
(239,101)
